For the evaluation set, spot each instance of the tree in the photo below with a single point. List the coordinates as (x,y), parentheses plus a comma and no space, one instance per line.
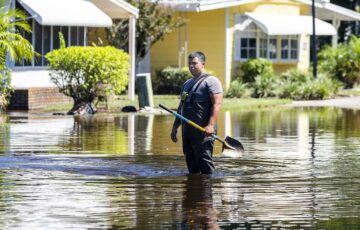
(154,22)
(85,73)
(13,46)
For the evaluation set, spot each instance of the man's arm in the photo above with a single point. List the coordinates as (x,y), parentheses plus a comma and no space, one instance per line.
(177,123)
(216,100)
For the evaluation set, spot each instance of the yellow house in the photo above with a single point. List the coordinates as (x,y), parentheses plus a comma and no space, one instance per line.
(232,31)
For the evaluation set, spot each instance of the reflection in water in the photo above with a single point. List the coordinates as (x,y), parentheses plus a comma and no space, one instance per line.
(198,209)
(300,171)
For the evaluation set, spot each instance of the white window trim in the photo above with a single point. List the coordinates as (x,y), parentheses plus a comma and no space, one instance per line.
(289,59)
(279,38)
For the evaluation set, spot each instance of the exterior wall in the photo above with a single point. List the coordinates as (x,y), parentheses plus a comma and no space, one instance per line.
(205,31)
(274,7)
(37,98)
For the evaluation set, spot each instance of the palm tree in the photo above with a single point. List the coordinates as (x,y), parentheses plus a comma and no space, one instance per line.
(11,42)
(12,45)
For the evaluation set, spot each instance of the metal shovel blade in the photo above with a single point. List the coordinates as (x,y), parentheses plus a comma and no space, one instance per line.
(233,144)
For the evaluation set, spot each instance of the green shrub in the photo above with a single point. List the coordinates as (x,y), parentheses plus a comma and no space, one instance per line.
(5,88)
(296,75)
(82,72)
(321,87)
(342,63)
(169,80)
(292,84)
(238,89)
(255,67)
(264,85)
(300,85)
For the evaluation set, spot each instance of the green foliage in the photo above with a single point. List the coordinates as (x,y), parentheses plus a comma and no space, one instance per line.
(238,89)
(298,85)
(169,80)
(296,76)
(82,72)
(320,88)
(62,41)
(13,45)
(154,22)
(293,84)
(255,67)
(5,88)
(11,42)
(342,63)
(264,85)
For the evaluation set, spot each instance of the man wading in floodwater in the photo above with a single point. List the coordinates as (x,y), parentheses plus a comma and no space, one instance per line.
(201,98)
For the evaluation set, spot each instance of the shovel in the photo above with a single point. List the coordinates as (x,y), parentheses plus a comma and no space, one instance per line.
(228,144)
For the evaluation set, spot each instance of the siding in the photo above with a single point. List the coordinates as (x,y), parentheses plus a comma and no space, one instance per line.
(205,32)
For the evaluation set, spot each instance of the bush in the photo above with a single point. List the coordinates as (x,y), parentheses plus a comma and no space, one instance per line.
(238,89)
(264,85)
(320,88)
(5,88)
(342,63)
(255,67)
(82,72)
(299,85)
(296,75)
(169,80)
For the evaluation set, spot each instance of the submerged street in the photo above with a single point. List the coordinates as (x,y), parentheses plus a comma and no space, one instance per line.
(300,170)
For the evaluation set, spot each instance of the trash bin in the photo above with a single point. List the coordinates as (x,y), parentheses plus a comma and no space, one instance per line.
(144,89)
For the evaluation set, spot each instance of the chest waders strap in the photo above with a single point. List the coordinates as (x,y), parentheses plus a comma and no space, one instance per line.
(196,84)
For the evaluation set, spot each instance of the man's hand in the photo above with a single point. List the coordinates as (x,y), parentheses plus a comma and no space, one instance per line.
(173,134)
(209,130)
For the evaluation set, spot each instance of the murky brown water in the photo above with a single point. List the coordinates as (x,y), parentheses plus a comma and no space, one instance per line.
(300,171)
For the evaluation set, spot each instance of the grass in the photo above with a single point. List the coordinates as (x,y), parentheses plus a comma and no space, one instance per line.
(172,101)
(349,92)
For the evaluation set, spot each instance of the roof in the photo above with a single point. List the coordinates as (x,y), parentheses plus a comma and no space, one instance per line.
(274,24)
(91,13)
(66,13)
(116,8)
(324,9)
(329,11)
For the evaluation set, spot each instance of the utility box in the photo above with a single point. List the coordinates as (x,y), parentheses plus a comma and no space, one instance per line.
(144,89)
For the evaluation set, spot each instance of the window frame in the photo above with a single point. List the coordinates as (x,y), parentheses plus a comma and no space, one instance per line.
(80,30)
(290,39)
(241,28)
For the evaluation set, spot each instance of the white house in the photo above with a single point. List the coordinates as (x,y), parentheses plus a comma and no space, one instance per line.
(73,18)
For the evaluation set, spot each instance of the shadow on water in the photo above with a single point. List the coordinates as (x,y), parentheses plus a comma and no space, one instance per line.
(300,171)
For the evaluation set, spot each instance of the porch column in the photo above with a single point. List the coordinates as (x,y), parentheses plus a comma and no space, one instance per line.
(132,56)
(336,24)
(228,47)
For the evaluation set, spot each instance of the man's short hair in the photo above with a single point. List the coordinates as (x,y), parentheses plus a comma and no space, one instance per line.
(199,55)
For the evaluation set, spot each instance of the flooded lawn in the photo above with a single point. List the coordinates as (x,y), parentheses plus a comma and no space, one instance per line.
(301,170)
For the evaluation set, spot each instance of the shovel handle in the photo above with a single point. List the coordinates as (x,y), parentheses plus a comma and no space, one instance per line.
(183,118)
(225,144)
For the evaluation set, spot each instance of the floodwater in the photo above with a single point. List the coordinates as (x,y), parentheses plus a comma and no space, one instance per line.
(300,171)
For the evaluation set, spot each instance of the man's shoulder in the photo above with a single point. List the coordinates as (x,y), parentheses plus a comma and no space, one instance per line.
(212,79)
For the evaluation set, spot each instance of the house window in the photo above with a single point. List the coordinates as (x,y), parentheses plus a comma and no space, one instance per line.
(289,47)
(46,38)
(267,46)
(248,48)
(252,42)
(272,47)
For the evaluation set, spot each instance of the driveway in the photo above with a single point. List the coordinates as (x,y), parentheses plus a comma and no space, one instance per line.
(343,102)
